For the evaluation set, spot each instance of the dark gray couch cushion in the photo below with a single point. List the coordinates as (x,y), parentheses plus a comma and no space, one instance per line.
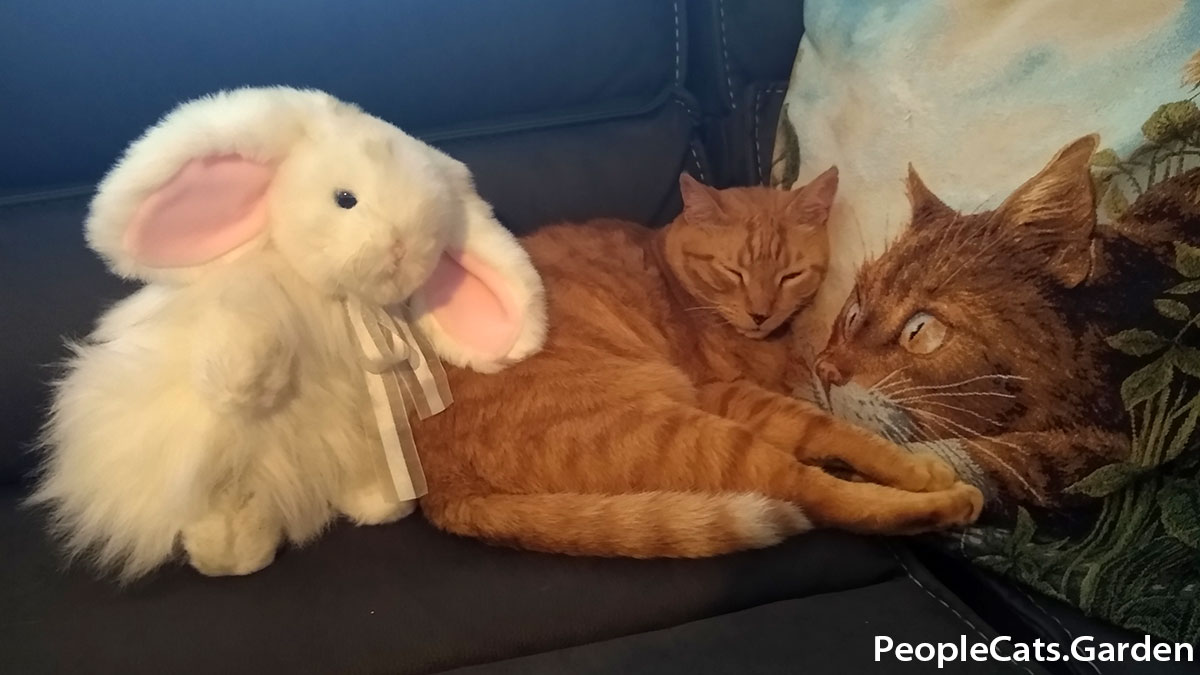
(398,599)
(827,634)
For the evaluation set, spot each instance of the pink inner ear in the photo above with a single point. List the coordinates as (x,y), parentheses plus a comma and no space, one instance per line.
(209,207)
(472,304)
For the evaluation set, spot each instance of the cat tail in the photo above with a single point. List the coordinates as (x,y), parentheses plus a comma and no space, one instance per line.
(636,525)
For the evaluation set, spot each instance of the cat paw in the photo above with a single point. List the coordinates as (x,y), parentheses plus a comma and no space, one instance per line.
(965,505)
(370,506)
(956,506)
(928,474)
(232,542)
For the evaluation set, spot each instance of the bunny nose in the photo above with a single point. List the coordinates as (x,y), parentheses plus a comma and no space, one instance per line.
(758,318)
(829,373)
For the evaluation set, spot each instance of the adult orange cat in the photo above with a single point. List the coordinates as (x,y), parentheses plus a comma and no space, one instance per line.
(654,422)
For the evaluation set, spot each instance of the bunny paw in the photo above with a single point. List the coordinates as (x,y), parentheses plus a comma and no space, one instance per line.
(232,542)
(370,506)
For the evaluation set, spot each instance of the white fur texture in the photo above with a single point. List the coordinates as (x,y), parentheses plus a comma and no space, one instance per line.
(222,407)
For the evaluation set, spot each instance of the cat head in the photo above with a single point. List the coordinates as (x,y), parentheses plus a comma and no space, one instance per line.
(955,330)
(754,255)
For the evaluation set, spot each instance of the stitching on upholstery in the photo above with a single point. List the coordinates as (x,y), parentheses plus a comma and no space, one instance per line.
(675,8)
(692,146)
(696,159)
(945,604)
(527,122)
(1056,620)
(725,55)
(758,165)
(687,108)
(757,123)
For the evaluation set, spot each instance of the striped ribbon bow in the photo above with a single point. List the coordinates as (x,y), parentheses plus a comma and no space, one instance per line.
(403,373)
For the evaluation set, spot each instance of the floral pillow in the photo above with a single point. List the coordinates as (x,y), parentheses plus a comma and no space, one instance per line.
(1015,274)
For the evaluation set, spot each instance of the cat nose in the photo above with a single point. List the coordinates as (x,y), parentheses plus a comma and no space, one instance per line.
(829,373)
(758,318)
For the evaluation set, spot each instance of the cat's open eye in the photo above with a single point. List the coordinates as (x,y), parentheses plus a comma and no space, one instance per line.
(792,276)
(345,199)
(851,317)
(923,333)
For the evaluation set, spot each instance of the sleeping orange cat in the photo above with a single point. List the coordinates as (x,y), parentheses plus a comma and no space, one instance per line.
(655,421)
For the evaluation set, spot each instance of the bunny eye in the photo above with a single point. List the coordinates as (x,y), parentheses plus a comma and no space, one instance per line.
(345,199)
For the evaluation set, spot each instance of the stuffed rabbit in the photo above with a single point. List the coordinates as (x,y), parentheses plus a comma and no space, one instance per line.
(223,405)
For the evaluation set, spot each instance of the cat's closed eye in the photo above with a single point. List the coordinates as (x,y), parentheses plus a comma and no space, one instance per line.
(792,276)
(732,273)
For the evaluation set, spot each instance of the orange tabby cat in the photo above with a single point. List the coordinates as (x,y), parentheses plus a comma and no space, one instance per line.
(654,423)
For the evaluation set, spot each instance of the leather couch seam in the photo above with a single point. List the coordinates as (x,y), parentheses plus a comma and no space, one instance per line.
(758,165)
(675,10)
(1056,620)
(923,587)
(725,54)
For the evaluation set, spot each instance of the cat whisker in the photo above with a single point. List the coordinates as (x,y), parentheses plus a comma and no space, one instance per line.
(892,387)
(882,381)
(913,432)
(887,228)
(946,234)
(962,429)
(985,236)
(964,237)
(933,394)
(897,435)
(991,237)
(930,415)
(953,233)
(862,239)
(981,203)
(969,441)
(972,413)
(952,385)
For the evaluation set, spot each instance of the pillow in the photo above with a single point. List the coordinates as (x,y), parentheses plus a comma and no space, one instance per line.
(1014,280)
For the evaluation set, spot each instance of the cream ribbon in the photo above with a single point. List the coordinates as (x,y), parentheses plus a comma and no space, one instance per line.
(402,373)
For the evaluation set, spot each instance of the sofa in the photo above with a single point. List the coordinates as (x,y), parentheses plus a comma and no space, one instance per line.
(564,110)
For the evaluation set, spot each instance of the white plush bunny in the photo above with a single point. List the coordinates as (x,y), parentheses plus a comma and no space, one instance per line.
(223,405)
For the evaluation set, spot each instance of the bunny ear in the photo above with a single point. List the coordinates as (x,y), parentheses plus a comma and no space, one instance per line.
(210,207)
(484,306)
(195,186)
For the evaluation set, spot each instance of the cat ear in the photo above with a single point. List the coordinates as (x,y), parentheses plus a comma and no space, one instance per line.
(1054,213)
(810,204)
(701,203)
(483,307)
(925,205)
